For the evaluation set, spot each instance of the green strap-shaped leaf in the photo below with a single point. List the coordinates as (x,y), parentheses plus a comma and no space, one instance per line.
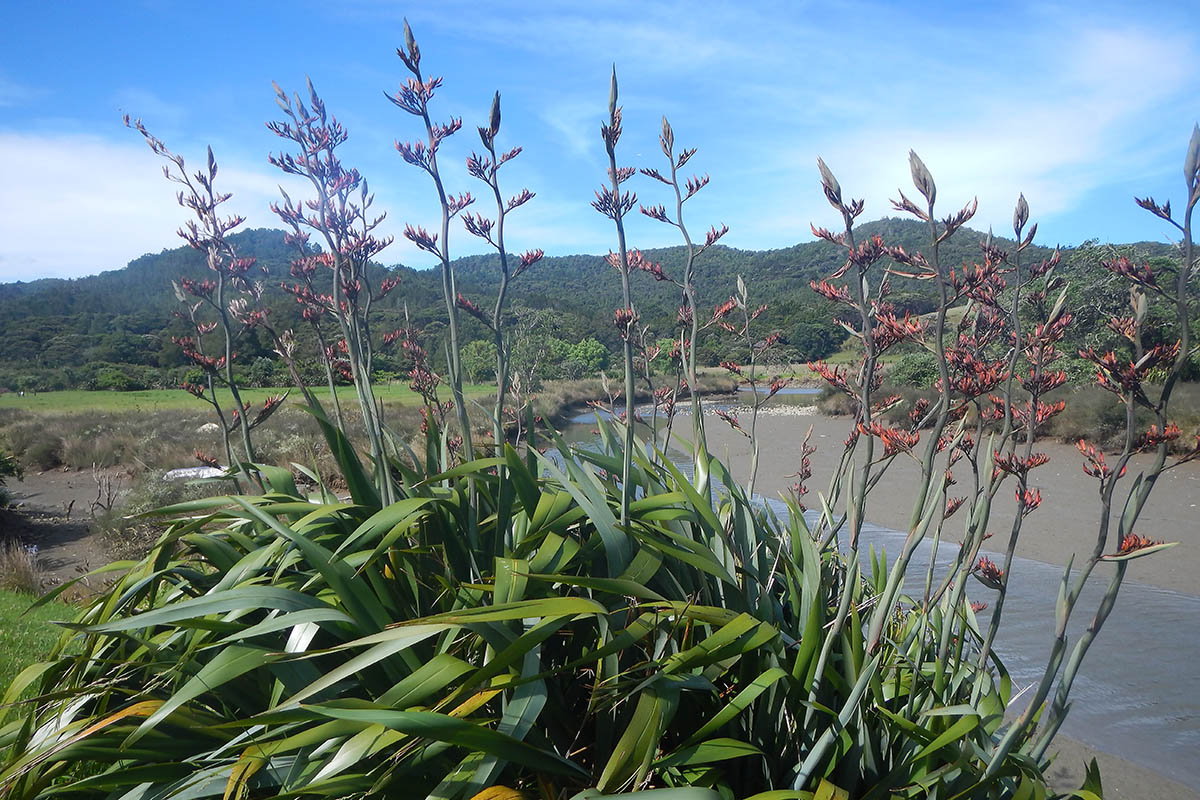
(634,751)
(720,749)
(955,732)
(589,493)
(362,487)
(742,634)
(247,597)
(459,732)
(356,595)
(399,640)
(682,793)
(230,662)
(397,515)
(739,703)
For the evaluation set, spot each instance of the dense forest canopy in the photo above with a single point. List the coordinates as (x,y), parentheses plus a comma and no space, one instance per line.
(114,330)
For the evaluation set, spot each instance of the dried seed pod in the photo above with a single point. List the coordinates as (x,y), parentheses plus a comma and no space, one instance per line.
(612,94)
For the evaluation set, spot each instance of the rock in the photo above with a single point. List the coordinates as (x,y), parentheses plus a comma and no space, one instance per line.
(209,427)
(193,473)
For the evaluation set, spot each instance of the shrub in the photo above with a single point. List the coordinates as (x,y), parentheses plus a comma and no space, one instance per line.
(479,360)
(648,663)
(113,379)
(914,369)
(43,453)
(9,468)
(813,340)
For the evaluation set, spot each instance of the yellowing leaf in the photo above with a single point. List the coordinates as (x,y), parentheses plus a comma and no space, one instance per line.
(499,793)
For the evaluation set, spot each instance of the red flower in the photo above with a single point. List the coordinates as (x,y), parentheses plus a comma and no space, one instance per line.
(206,459)
(894,440)
(989,574)
(1133,542)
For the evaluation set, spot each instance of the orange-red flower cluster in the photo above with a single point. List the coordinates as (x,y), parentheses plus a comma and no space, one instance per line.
(206,459)
(1029,500)
(1133,542)
(1016,465)
(953,504)
(1039,412)
(1094,462)
(1140,274)
(1154,437)
(894,440)
(989,574)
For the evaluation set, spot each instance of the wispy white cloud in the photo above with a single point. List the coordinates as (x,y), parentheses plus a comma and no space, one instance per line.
(75,204)
(1081,126)
(163,115)
(13,93)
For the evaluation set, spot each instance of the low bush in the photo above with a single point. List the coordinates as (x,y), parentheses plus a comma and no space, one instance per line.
(45,452)
(919,370)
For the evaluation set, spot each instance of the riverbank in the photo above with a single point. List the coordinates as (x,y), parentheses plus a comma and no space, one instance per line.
(1064,524)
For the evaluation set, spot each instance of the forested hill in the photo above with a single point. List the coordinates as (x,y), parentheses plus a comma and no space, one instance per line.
(56,328)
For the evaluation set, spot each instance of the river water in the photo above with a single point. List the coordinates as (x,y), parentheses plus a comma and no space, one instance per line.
(1137,694)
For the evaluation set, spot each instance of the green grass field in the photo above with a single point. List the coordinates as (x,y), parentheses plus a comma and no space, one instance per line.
(81,401)
(26,637)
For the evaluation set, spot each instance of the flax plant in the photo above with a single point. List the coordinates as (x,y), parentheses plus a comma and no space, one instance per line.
(615,204)
(341,215)
(747,373)
(1127,380)
(413,98)
(608,626)
(689,315)
(225,295)
(486,168)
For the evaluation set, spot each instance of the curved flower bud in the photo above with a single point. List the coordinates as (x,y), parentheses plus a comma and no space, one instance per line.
(921,176)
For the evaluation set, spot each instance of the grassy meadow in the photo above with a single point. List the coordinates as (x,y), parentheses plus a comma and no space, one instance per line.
(80,401)
(26,635)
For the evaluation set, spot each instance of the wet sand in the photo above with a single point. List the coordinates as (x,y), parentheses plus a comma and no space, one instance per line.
(1065,524)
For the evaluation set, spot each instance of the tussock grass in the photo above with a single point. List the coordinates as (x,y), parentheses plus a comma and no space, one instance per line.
(19,569)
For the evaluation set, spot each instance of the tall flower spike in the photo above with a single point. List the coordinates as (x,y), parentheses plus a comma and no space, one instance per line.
(413,57)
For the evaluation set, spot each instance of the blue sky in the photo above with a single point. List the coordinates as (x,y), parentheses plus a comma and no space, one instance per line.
(1080,105)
